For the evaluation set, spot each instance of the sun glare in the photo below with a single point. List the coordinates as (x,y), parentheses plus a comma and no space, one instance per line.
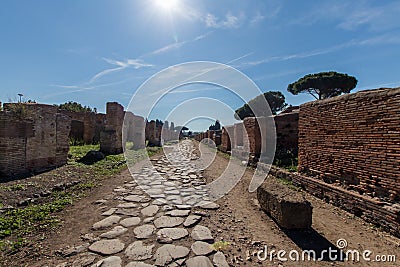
(167,4)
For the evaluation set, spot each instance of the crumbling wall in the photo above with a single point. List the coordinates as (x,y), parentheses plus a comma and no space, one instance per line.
(152,134)
(354,141)
(287,131)
(86,126)
(226,137)
(111,137)
(33,138)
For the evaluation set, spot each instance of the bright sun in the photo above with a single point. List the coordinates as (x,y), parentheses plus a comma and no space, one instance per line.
(167,4)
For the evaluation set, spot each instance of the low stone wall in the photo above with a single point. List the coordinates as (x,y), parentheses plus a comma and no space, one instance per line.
(287,207)
(380,213)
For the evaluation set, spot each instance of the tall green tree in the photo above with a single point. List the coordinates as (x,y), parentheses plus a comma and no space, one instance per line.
(275,100)
(324,84)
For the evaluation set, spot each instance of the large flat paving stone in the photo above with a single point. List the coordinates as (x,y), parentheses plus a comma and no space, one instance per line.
(201,248)
(113,261)
(107,247)
(150,211)
(106,222)
(199,261)
(201,233)
(219,260)
(137,251)
(168,222)
(168,253)
(178,213)
(144,231)
(173,233)
(115,232)
(192,220)
(129,222)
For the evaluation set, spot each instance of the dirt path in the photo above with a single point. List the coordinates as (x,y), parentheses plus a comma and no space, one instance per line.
(238,220)
(241,222)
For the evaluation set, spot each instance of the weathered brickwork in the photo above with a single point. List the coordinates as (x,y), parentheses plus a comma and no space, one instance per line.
(253,141)
(226,137)
(86,126)
(151,134)
(134,130)
(287,131)
(33,138)
(383,214)
(354,141)
(111,137)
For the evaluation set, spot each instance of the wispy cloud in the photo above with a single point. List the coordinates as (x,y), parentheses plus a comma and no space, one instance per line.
(229,21)
(351,15)
(381,39)
(257,18)
(178,44)
(121,64)
(79,88)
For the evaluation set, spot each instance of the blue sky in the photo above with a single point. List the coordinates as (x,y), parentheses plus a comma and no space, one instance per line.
(96,51)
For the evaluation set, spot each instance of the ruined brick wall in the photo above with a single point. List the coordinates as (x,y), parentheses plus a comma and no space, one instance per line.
(226,137)
(152,134)
(86,126)
(139,141)
(238,133)
(217,137)
(253,142)
(354,141)
(287,131)
(111,137)
(134,130)
(33,140)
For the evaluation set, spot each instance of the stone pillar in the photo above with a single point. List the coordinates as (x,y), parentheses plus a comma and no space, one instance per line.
(111,137)
(152,134)
(139,141)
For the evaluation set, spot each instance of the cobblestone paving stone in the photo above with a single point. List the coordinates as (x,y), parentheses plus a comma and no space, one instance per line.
(155,222)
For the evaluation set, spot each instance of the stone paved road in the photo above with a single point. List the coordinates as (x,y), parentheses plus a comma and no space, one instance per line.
(155,222)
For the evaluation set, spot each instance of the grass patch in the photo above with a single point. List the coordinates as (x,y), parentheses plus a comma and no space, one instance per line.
(21,221)
(286,159)
(220,245)
(288,183)
(16,224)
(15,187)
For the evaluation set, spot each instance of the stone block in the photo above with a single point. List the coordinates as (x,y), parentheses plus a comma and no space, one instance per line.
(287,207)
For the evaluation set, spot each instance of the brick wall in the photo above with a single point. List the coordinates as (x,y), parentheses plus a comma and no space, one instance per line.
(33,138)
(152,134)
(111,137)
(287,129)
(86,126)
(354,141)
(253,142)
(226,137)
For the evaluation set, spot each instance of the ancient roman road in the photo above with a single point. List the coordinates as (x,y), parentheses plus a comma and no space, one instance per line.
(162,230)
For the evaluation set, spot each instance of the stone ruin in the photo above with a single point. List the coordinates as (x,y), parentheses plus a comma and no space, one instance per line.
(348,151)
(33,138)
